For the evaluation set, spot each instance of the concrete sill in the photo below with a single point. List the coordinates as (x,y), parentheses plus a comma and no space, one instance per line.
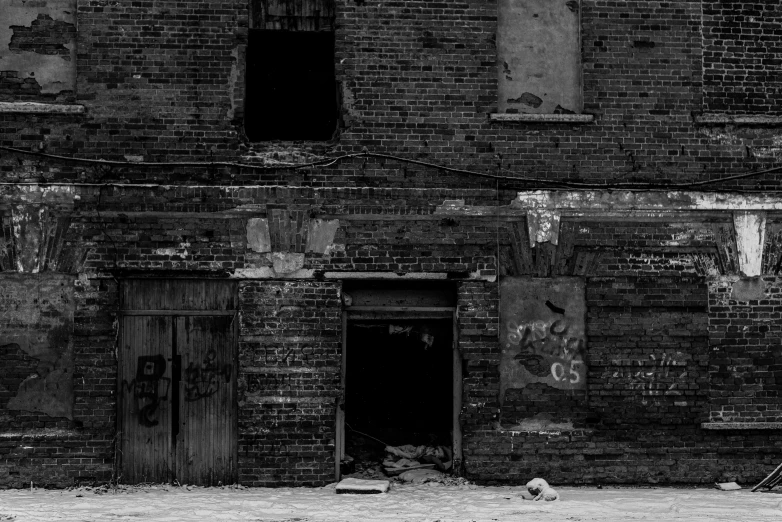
(542,118)
(39,108)
(733,119)
(741,425)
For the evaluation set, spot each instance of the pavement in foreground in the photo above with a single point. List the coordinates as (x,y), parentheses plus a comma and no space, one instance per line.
(402,503)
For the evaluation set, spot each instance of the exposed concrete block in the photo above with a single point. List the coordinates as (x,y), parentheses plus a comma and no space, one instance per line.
(749,289)
(321,234)
(258,238)
(543,226)
(750,238)
(28,222)
(287,262)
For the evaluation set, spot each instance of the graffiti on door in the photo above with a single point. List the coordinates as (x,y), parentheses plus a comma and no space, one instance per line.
(149,388)
(203,379)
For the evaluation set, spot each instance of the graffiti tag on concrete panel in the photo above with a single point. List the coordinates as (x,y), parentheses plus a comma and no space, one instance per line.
(149,388)
(542,333)
(204,379)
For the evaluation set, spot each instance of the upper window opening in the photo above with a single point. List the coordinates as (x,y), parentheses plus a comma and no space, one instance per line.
(291,85)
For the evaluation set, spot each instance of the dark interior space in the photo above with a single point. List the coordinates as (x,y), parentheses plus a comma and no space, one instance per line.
(399,385)
(291,87)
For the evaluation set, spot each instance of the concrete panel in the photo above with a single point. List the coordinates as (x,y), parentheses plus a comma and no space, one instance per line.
(542,333)
(321,234)
(750,238)
(258,238)
(539,56)
(36,316)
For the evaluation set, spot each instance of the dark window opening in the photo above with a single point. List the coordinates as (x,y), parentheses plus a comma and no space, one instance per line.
(291,85)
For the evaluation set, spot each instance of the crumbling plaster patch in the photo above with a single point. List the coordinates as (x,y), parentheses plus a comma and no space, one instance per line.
(258,237)
(747,210)
(52,72)
(320,234)
(599,201)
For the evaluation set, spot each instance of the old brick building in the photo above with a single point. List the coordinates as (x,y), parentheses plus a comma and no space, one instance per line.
(545,232)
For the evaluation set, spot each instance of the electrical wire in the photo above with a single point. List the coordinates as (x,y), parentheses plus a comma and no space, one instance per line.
(330,161)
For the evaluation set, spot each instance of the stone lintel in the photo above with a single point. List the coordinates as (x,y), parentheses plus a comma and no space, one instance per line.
(39,108)
(741,425)
(542,118)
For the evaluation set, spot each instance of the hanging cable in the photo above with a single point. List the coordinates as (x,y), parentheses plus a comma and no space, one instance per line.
(331,161)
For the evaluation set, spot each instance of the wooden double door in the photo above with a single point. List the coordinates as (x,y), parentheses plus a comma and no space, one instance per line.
(177,382)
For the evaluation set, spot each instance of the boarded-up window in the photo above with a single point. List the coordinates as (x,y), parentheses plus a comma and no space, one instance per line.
(539,57)
(291,86)
(543,366)
(38,51)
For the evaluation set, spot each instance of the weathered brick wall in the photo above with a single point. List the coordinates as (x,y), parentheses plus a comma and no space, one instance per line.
(159,76)
(652,317)
(289,352)
(165,81)
(741,57)
(57,381)
(745,360)
(650,372)
(648,350)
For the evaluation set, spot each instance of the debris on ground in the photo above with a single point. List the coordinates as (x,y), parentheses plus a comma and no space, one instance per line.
(367,470)
(411,457)
(727,486)
(362,486)
(424,476)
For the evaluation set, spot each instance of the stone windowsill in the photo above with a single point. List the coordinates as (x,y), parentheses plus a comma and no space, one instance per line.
(39,108)
(543,118)
(741,425)
(737,119)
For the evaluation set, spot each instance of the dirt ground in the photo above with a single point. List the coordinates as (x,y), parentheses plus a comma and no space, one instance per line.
(403,503)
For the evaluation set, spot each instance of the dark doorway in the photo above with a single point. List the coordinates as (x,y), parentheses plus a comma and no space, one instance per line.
(399,385)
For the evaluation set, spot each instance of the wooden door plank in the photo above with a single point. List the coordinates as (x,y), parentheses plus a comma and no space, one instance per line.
(145,408)
(205,445)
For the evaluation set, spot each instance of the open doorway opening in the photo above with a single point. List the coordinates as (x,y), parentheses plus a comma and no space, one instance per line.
(399,378)
(399,387)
